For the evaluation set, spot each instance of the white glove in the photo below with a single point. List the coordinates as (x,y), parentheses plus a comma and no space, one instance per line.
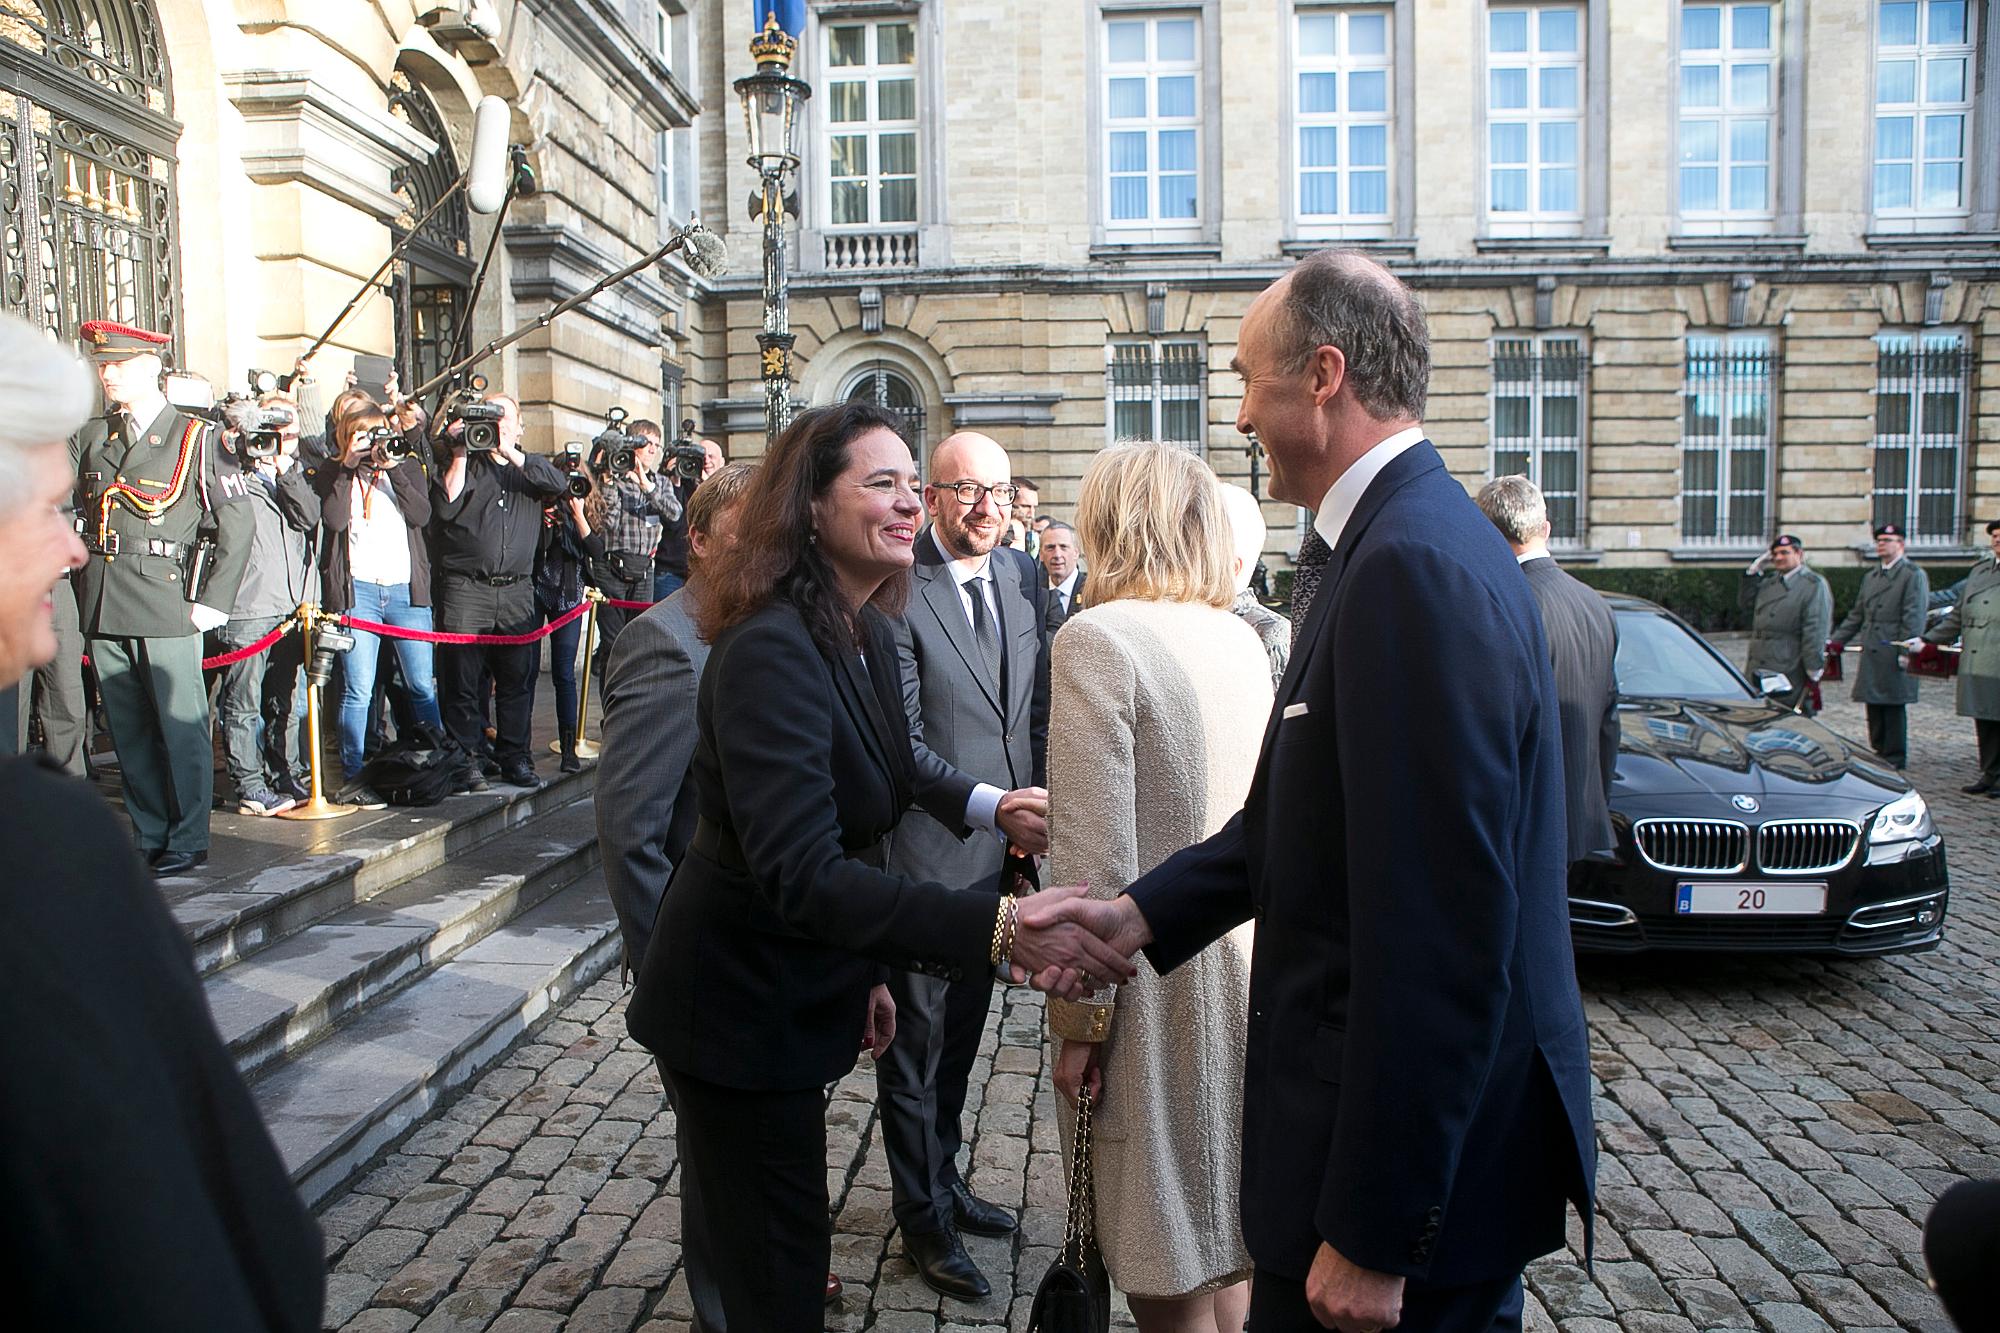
(1910,645)
(1815,675)
(206,618)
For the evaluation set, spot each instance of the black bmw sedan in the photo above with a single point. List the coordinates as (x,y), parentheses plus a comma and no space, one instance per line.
(1745,826)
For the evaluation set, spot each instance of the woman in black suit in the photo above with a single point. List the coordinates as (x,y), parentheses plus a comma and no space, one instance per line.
(766,965)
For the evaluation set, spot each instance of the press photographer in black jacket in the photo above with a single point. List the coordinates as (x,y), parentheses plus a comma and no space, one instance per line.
(486,526)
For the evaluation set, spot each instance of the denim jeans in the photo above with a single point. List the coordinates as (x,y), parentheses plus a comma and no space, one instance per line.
(562,670)
(665,584)
(386,605)
(261,703)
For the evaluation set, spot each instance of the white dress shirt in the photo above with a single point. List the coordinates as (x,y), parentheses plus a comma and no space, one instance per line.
(1346,492)
(982,807)
(1525,556)
(1066,590)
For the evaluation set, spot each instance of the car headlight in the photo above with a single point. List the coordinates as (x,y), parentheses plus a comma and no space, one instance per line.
(1904,819)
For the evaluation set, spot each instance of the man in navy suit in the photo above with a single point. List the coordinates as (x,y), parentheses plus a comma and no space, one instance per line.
(1417,1098)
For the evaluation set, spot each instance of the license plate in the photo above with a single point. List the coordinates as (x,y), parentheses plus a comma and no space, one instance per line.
(1760,899)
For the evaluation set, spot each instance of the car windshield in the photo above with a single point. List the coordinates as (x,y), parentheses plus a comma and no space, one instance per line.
(1658,656)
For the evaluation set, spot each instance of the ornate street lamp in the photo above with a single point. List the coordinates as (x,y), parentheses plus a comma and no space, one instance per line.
(773,113)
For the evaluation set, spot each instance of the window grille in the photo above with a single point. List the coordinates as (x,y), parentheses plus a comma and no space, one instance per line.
(1538,422)
(1727,438)
(1154,389)
(1921,381)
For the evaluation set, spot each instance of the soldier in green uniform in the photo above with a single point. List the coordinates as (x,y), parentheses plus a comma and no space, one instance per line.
(1888,610)
(1791,616)
(1975,619)
(147,503)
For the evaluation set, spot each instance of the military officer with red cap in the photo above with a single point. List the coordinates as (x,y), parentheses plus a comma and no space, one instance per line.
(167,550)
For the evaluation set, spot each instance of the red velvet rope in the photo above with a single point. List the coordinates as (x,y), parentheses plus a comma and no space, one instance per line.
(228,659)
(491,640)
(629,606)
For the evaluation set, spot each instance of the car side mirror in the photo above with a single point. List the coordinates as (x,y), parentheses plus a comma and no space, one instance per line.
(1773,682)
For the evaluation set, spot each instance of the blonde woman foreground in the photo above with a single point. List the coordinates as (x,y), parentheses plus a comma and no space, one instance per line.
(1157,707)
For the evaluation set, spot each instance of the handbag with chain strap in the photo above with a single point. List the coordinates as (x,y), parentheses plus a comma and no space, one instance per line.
(1075,1294)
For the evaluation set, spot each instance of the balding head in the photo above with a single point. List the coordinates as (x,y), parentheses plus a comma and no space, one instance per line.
(967,531)
(1337,298)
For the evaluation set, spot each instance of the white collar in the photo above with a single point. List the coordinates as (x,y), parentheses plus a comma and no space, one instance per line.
(1525,556)
(1068,586)
(1888,565)
(1351,485)
(960,575)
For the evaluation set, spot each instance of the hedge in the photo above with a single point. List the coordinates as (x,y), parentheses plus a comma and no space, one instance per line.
(1703,596)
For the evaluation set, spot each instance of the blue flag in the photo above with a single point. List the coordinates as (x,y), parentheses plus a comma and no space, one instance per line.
(791,14)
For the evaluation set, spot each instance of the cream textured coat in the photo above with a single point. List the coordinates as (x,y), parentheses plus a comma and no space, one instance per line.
(1156,713)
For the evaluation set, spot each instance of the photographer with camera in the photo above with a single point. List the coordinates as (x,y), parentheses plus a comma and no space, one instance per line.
(487,504)
(630,506)
(261,700)
(691,462)
(376,563)
(569,544)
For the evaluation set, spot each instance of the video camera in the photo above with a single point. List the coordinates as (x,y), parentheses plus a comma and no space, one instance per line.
(618,448)
(479,428)
(686,458)
(260,430)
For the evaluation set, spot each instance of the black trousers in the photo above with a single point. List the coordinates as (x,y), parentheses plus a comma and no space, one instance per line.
(920,1085)
(697,1261)
(1889,732)
(465,606)
(1988,732)
(757,1164)
(1278,1305)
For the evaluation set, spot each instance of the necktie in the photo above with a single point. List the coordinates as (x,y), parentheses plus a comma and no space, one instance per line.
(1313,555)
(983,632)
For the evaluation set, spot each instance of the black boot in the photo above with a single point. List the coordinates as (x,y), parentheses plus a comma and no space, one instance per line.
(943,1264)
(570,763)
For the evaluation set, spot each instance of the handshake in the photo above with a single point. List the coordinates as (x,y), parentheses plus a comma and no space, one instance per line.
(1069,944)
(1062,940)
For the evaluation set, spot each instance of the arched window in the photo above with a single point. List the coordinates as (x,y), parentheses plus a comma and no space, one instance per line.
(88,213)
(432,285)
(888,389)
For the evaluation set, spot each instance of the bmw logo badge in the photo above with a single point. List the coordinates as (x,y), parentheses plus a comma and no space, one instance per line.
(1747,804)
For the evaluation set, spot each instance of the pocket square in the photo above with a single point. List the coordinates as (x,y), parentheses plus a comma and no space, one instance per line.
(1296,710)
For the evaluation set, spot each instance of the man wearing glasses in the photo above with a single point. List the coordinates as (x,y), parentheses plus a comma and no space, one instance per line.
(976,687)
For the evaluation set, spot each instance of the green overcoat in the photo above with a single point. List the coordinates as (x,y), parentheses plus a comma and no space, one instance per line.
(1889,608)
(1975,621)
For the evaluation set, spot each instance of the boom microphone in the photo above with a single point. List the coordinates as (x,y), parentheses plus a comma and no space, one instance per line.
(486,178)
(705,252)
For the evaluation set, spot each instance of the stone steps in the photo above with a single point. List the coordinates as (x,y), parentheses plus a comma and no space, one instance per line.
(289,994)
(333,1105)
(288,875)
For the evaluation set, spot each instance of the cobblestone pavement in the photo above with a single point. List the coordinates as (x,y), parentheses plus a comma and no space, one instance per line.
(1773,1134)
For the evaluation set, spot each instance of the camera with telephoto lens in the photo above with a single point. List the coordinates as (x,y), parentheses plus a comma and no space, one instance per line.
(686,458)
(330,639)
(259,430)
(386,446)
(615,445)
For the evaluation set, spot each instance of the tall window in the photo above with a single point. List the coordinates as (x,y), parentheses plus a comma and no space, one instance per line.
(1726,440)
(1728,123)
(896,395)
(1923,107)
(1538,422)
(1920,388)
(871,101)
(1534,113)
(1152,119)
(1344,70)
(1154,387)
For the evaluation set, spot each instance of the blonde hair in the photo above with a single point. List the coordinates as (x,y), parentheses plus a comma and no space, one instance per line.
(1150,520)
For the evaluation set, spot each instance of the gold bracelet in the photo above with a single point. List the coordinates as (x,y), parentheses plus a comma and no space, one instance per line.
(999,929)
(1013,923)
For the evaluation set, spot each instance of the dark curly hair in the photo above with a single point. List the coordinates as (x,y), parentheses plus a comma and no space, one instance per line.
(773,555)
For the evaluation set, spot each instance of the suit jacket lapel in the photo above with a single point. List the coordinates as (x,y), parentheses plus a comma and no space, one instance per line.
(940,593)
(1412,463)
(857,692)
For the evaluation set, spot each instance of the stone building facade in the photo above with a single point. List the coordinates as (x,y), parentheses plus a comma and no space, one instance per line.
(232,170)
(1719,269)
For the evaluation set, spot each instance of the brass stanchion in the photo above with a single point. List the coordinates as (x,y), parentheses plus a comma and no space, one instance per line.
(585,749)
(316,806)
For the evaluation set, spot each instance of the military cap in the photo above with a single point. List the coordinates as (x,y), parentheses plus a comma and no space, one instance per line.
(104,340)
(1991,526)
(1891,530)
(1787,539)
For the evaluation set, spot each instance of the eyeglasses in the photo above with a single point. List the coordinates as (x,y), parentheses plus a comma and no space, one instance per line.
(970,493)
